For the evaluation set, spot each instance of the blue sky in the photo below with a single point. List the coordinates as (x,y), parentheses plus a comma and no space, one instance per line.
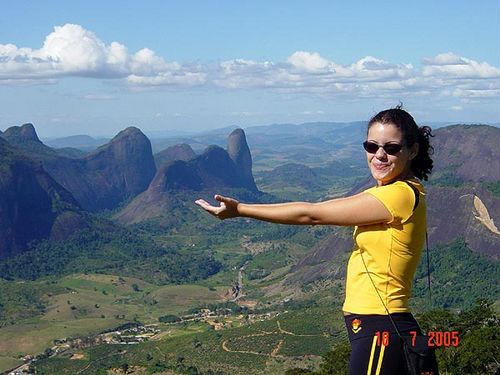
(96,67)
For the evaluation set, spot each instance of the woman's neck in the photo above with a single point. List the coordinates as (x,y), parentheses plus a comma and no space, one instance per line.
(402,177)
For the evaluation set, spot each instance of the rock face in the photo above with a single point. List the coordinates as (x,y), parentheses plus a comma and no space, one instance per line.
(239,152)
(121,169)
(32,205)
(466,159)
(103,179)
(25,138)
(25,132)
(178,152)
(464,212)
(467,152)
(213,170)
(177,175)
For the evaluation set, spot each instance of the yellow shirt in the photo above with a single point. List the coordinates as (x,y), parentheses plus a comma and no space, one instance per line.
(391,252)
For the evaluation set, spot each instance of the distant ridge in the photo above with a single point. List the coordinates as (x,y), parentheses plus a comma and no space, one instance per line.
(80,141)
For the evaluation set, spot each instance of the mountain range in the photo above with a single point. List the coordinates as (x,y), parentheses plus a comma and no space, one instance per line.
(102,179)
(215,169)
(123,175)
(45,192)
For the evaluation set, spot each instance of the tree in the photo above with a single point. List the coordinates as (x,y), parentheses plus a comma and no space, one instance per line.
(336,362)
(170,318)
(124,367)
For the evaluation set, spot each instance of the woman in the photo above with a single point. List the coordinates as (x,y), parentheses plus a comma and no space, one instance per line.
(390,225)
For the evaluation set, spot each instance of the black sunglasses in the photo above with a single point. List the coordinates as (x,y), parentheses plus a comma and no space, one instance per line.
(389,148)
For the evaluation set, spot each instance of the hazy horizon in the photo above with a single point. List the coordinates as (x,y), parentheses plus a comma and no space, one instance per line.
(173,133)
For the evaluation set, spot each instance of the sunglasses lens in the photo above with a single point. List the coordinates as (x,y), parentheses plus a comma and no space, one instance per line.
(390,148)
(370,147)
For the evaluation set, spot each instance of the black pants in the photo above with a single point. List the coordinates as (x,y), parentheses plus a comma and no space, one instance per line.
(375,345)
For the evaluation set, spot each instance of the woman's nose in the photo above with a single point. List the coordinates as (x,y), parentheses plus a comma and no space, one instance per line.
(381,154)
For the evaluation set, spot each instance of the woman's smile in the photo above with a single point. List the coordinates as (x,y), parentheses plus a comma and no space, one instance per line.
(386,168)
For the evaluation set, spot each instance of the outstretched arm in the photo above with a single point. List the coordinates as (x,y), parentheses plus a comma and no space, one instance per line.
(360,209)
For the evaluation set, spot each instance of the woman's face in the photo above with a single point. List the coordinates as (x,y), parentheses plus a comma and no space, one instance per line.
(387,168)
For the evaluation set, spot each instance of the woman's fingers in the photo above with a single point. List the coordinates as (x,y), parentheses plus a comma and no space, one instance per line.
(225,210)
(206,206)
(202,203)
(221,198)
(214,210)
(226,201)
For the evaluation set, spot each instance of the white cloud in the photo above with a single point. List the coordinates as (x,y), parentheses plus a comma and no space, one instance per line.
(449,65)
(461,77)
(310,72)
(448,58)
(70,50)
(240,73)
(175,78)
(445,74)
(475,93)
(310,62)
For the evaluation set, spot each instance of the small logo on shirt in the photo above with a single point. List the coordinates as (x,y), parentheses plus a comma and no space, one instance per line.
(356,325)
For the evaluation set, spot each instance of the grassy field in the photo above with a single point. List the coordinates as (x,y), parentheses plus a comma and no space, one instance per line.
(7,363)
(92,303)
(292,339)
(85,304)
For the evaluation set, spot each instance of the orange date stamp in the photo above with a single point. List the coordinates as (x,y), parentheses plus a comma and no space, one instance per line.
(435,339)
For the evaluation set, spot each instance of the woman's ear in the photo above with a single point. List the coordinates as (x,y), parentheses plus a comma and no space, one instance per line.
(414,151)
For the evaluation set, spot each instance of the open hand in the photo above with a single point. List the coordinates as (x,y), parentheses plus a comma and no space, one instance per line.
(227,209)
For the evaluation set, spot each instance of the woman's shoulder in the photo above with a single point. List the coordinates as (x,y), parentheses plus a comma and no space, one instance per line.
(412,183)
(400,197)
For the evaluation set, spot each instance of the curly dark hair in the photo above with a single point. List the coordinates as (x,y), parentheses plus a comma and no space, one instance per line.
(421,165)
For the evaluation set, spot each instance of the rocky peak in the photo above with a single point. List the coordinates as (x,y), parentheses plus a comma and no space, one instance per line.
(116,171)
(24,132)
(215,170)
(214,152)
(177,152)
(128,140)
(239,152)
(128,145)
(131,131)
(25,138)
(177,175)
(122,168)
